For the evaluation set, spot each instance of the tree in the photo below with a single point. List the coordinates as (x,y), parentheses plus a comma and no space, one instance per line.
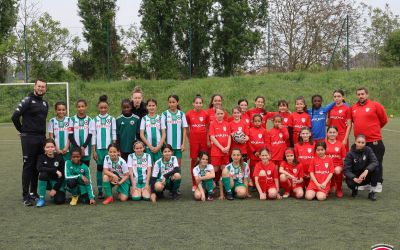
(8,19)
(390,54)
(98,18)
(238,30)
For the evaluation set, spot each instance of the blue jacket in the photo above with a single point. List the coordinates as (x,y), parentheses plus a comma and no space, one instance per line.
(318,120)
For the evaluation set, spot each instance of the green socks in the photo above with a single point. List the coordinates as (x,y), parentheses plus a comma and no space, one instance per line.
(175,185)
(226,181)
(99,179)
(107,188)
(42,185)
(210,185)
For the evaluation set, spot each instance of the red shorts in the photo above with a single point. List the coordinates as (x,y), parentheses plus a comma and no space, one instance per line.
(196,147)
(313,187)
(218,161)
(292,187)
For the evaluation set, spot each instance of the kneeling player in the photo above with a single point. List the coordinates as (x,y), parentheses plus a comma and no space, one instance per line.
(204,176)
(291,175)
(79,182)
(166,175)
(235,177)
(266,177)
(116,173)
(51,175)
(139,164)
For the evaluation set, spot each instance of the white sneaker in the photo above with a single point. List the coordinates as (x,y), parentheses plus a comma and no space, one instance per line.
(378,188)
(365,187)
(194,188)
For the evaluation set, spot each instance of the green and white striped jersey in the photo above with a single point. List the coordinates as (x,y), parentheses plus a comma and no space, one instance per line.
(106,131)
(161,168)
(197,171)
(118,167)
(152,129)
(60,130)
(139,165)
(81,128)
(237,174)
(174,124)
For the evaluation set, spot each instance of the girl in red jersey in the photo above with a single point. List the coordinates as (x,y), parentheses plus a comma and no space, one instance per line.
(340,117)
(337,152)
(300,118)
(220,137)
(266,177)
(259,109)
(321,172)
(197,120)
(258,139)
(291,175)
(304,151)
(238,125)
(216,102)
(287,121)
(279,136)
(243,104)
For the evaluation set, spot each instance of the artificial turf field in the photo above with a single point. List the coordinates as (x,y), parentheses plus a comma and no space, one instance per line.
(345,223)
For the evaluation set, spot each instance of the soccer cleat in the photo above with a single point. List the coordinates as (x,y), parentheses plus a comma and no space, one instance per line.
(28,202)
(175,196)
(74,200)
(286,195)
(365,187)
(339,193)
(210,197)
(194,188)
(372,196)
(229,197)
(40,203)
(378,188)
(108,200)
(354,192)
(100,195)
(33,197)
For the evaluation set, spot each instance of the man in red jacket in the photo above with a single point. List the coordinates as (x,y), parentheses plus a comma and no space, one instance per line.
(369,118)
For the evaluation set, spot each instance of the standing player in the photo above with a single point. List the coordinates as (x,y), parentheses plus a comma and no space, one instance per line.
(278,138)
(105,135)
(304,151)
(287,120)
(139,164)
(116,173)
(291,175)
(321,172)
(266,177)
(243,104)
(318,115)
(204,176)
(82,131)
(238,125)
(259,109)
(59,128)
(300,118)
(340,117)
(220,137)
(128,127)
(198,123)
(337,152)
(216,102)
(174,122)
(150,131)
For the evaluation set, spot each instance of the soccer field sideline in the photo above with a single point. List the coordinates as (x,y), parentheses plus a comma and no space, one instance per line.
(334,224)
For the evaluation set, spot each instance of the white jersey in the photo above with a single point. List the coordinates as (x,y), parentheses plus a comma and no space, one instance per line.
(139,166)
(161,168)
(174,124)
(236,172)
(197,171)
(81,128)
(106,131)
(118,167)
(152,129)
(60,130)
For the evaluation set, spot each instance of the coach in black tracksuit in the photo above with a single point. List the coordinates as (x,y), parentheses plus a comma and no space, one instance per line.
(33,110)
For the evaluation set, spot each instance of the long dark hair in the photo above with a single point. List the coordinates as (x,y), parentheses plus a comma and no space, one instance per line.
(312,104)
(301,98)
(200,155)
(212,99)
(241,162)
(176,99)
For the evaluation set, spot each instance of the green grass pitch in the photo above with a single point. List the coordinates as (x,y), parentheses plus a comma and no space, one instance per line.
(287,224)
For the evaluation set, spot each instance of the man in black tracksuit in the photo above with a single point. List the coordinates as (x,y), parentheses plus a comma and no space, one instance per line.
(33,110)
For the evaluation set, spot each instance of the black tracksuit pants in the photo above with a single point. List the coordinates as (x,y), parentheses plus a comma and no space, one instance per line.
(379,150)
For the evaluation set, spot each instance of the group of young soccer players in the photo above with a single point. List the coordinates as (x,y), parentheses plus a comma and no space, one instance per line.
(237,154)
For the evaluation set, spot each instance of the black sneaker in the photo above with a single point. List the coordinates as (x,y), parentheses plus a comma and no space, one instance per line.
(354,192)
(27,202)
(229,197)
(100,196)
(210,197)
(175,196)
(33,197)
(372,196)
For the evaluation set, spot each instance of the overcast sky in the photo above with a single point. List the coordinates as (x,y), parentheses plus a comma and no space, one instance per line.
(66,11)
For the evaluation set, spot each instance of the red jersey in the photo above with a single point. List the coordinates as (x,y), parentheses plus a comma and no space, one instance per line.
(198,122)
(258,139)
(255,111)
(368,119)
(321,167)
(338,117)
(304,154)
(239,126)
(221,132)
(278,143)
(337,152)
(299,120)
(295,170)
(270,170)
(211,115)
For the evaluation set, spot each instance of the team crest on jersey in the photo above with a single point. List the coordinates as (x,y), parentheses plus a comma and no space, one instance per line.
(178,117)
(294,170)
(33,101)
(309,150)
(201,118)
(132,122)
(66,125)
(82,170)
(224,128)
(247,120)
(303,120)
(364,157)
(285,119)
(367,110)
(108,121)
(86,122)
(239,128)
(326,165)
(269,172)
(340,111)
(337,149)
(321,113)
(56,164)
(44,104)
(280,135)
(260,136)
